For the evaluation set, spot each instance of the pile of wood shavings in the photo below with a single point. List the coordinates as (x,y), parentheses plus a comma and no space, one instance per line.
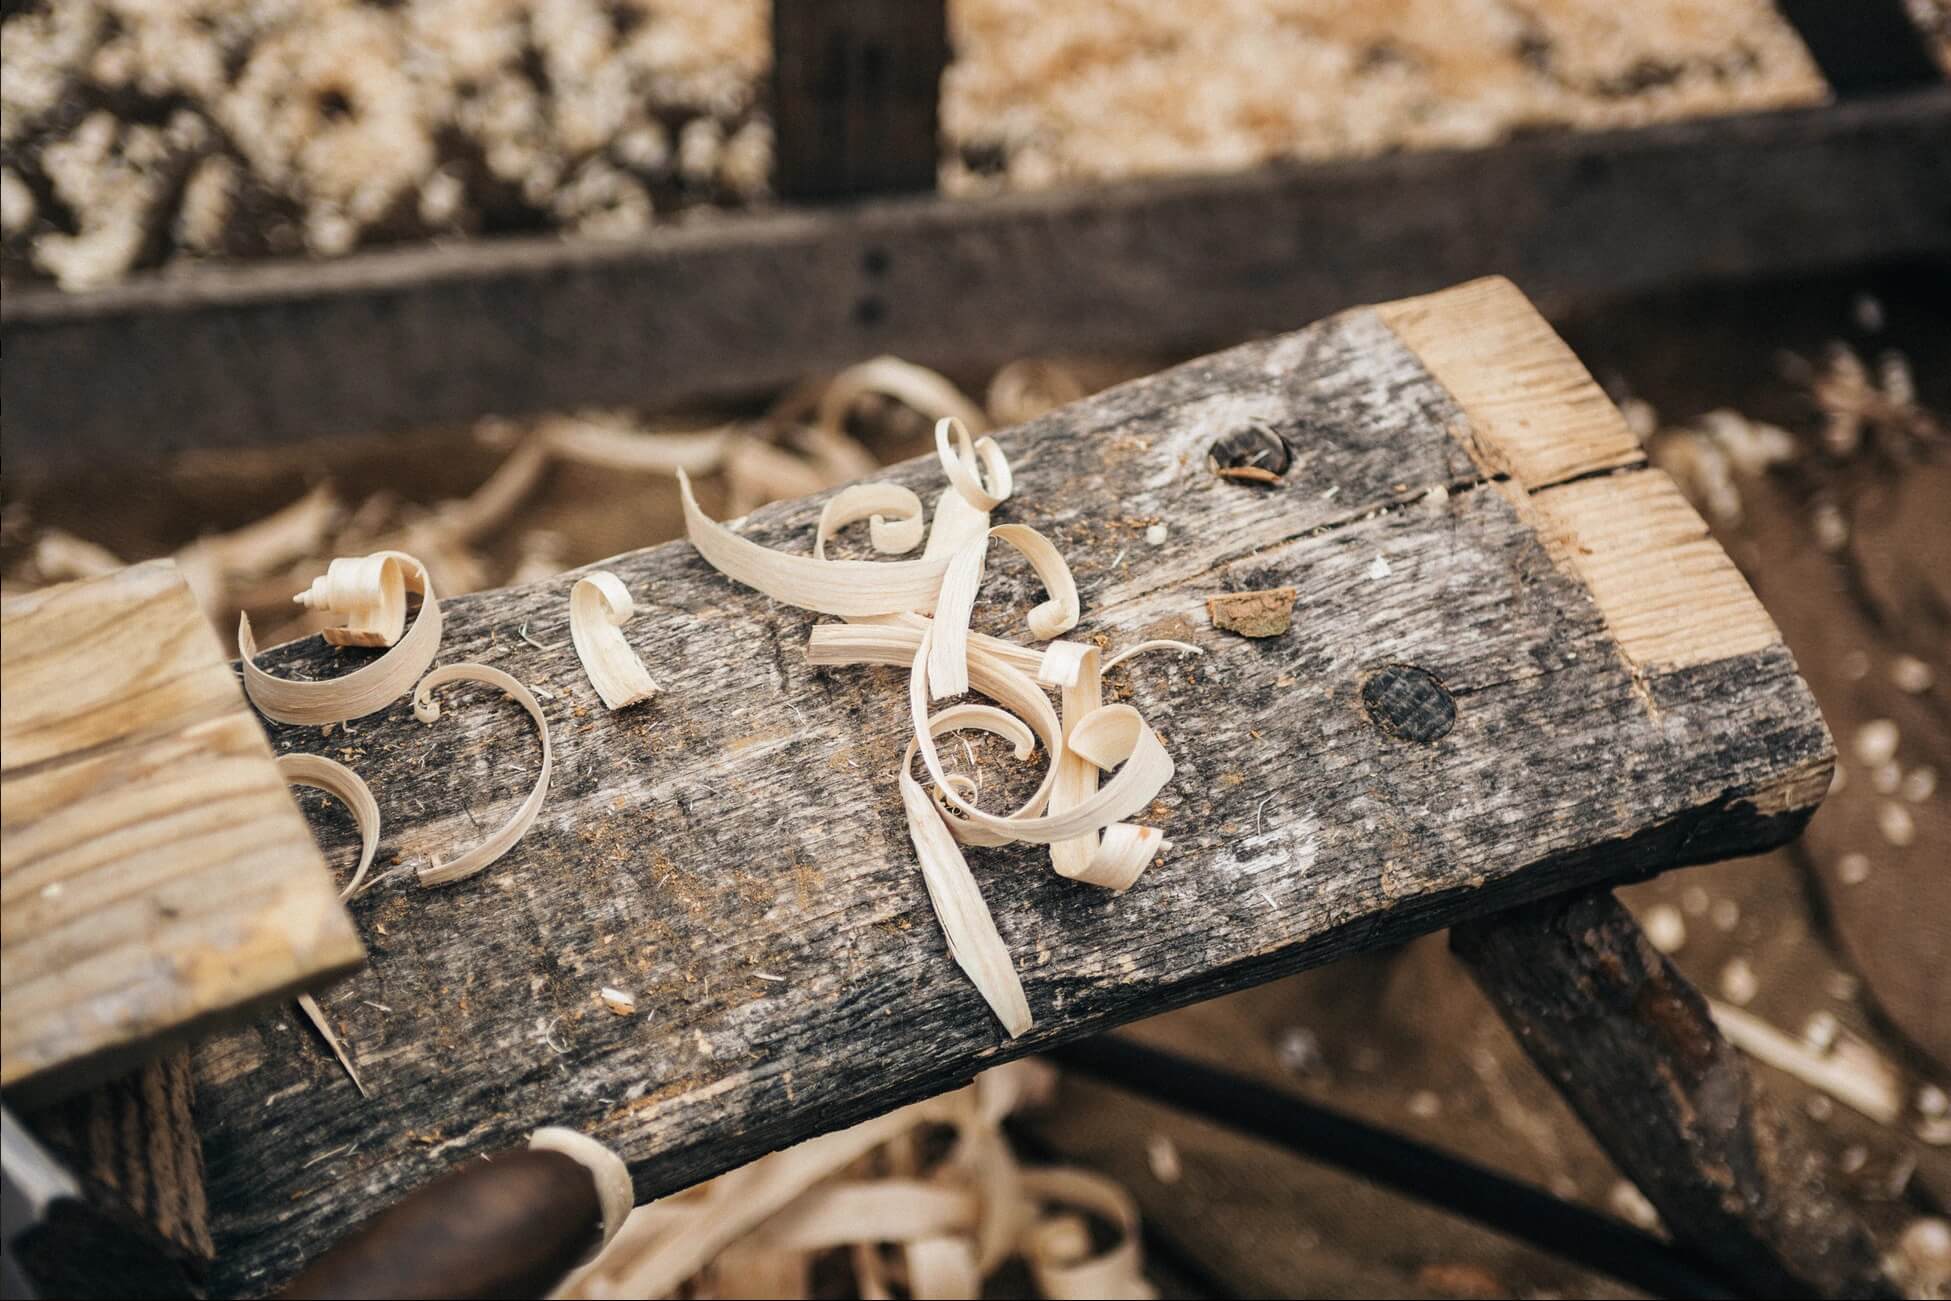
(915,613)
(548,504)
(137,134)
(928,1200)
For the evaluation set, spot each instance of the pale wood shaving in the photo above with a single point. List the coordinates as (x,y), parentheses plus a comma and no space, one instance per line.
(843,587)
(350,789)
(599,606)
(1850,1071)
(959,460)
(934,1227)
(614,1193)
(345,785)
(892,512)
(504,838)
(948,673)
(915,386)
(365,690)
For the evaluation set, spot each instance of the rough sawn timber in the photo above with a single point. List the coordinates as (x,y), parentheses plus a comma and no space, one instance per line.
(734,854)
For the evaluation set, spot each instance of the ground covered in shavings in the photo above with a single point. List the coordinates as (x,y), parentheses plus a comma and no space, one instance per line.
(137,135)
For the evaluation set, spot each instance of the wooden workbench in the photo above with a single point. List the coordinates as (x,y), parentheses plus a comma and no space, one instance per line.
(1603,699)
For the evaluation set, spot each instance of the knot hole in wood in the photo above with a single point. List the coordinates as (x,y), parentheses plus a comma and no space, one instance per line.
(1409,703)
(1253,448)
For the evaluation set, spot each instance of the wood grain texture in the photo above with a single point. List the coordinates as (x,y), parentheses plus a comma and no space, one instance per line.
(757,301)
(156,874)
(1535,417)
(734,854)
(1632,1047)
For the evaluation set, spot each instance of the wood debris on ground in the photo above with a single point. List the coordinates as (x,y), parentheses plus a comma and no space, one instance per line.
(928,1200)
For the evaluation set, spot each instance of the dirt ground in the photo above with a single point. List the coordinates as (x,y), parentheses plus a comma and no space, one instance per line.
(1853,922)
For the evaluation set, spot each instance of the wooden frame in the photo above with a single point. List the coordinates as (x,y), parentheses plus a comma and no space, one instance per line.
(397,340)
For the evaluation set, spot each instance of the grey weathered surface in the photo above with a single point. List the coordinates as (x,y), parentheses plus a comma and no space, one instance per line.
(1632,1047)
(392,341)
(734,851)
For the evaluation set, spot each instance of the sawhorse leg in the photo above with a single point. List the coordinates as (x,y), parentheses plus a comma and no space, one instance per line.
(1631,1046)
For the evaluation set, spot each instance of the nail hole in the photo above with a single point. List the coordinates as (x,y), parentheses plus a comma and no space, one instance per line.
(1252,453)
(1409,703)
(870,311)
(874,262)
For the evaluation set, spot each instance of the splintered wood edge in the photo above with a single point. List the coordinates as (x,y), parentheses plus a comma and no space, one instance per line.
(1539,423)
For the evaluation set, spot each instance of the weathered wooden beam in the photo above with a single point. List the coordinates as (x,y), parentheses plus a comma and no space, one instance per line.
(389,341)
(1463,504)
(856,94)
(1864,47)
(1632,1047)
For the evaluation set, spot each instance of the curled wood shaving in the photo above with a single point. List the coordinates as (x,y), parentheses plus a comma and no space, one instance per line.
(948,672)
(365,690)
(892,512)
(316,1015)
(427,711)
(973,940)
(915,386)
(938,1226)
(1146,767)
(614,1193)
(350,789)
(588,443)
(959,463)
(843,587)
(346,786)
(599,606)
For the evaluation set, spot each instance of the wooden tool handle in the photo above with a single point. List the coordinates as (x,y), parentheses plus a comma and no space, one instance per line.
(510,1226)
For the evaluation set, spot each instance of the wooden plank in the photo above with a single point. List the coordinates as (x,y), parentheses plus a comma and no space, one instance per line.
(443,335)
(1864,47)
(794,981)
(856,90)
(1631,1046)
(155,874)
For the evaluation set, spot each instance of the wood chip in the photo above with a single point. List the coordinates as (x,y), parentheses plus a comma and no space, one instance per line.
(1247,474)
(1253,614)
(599,606)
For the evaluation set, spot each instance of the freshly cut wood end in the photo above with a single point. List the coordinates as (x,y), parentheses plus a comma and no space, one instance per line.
(1535,412)
(1253,614)
(1667,591)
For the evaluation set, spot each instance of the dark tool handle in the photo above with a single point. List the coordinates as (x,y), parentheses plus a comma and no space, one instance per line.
(510,1226)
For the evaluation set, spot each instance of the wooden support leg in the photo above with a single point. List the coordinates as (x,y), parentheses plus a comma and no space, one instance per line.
(133,1145)
(1631,1046)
